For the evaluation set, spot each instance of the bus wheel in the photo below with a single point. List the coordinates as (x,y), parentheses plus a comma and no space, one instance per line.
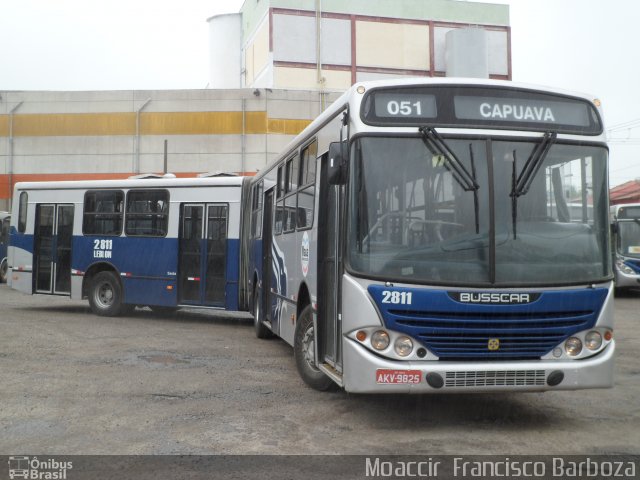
(105,295)
(260,328)
(4,267)
(304,353)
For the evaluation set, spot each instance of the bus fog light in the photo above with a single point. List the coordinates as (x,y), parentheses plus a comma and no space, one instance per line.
(573,346)
(380,340)
(593,340)
(403,346)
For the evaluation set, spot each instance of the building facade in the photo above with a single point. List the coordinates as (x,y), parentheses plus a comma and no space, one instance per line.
(115,134)
(332,44)
(274,68)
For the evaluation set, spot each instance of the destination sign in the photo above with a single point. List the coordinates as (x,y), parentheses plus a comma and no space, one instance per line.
(479,107)
(406,105)
(521,110)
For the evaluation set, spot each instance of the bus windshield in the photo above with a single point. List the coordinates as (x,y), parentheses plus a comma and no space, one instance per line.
(629,238)
(460,211)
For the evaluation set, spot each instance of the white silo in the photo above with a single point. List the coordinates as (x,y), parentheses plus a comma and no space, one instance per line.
(225,50)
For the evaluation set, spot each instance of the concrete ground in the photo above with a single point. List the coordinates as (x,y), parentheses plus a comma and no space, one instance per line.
(198,383)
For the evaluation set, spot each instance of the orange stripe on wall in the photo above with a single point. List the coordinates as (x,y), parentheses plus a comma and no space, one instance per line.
(151,123)
(4,125)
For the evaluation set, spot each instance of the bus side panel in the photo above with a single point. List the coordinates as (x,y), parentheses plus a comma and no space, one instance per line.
(20,275)
(147,266)
(232,274)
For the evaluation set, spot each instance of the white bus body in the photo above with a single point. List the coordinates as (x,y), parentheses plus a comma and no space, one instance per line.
(405,241)
(163,243)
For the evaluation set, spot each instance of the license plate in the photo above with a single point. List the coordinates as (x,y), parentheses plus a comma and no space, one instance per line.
(398,376)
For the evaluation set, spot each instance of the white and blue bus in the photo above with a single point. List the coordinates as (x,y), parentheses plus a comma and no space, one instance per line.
(5,218)
(625,228)
(439,235)
(162,243)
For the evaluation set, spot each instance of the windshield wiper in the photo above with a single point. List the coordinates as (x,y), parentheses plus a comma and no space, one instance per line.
(437,146)
(521,185)
(533,164)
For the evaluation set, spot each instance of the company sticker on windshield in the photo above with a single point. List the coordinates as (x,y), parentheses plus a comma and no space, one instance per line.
(634,249)
(395,377)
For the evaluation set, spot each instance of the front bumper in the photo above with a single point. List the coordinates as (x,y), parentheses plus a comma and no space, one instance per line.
(624,280)
(362,367)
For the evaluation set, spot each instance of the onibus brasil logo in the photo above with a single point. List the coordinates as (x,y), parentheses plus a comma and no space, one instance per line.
(32,468)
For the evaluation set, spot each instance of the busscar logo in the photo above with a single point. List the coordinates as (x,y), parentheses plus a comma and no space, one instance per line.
(33,468)
(499,298)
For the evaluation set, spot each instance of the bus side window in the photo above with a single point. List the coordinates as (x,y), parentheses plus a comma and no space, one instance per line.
(147,213)
(22,212)
(292,181)
(103,212)
(256,210)
(307,192)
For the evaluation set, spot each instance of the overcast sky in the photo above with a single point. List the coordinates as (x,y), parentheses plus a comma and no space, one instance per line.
(584,45)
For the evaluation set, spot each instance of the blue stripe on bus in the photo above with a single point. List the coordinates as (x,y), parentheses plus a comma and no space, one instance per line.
(633,265)
(455,330)
(147,265)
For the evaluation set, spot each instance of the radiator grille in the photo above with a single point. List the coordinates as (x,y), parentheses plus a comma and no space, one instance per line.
(499,378)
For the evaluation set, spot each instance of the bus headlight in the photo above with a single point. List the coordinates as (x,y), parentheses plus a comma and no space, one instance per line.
(573,346)
(624,268)
(593,340)
(380,340)
(403,346)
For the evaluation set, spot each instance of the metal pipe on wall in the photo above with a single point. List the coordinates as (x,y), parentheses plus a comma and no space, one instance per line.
(244,136)
(10,172)
(136,160)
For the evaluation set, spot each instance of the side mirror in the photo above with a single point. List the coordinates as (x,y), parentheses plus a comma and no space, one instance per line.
(337,162)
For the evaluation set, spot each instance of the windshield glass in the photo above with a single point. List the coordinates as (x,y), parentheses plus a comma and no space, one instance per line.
(413,218)
(629,238)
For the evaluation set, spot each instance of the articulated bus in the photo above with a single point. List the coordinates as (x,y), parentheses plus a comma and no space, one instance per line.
(625,228)
(5,218)
(439,235)
(162,243)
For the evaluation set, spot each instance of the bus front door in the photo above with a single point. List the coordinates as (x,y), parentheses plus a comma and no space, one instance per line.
(52,252)
(203,254)
(329,321)
(269,274)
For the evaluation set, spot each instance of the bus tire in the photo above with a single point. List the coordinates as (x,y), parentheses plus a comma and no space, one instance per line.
(304,353)
(260,328)
(4,267)
(105,295)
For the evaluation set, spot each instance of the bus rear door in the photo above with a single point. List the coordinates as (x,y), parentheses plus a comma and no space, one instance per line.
(52,250)
(203,254)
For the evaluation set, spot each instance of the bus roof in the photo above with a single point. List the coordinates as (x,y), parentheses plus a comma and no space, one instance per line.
(349,96)
(134,183)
